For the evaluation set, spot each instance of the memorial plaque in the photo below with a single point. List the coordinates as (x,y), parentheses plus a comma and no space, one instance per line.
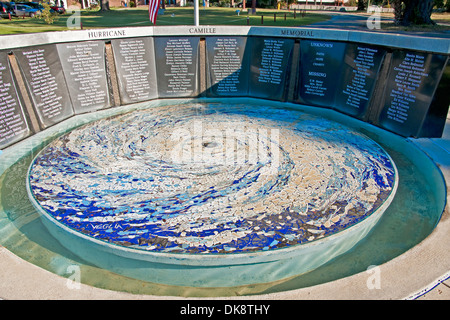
(177,66)
(13,124)
(85,72)
(227,66)
(270,67)
(136,70)
(434,124)
(411,84)
(44,77)
(320,69)
(361,66)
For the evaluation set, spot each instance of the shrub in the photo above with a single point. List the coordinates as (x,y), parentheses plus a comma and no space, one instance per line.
(48,16)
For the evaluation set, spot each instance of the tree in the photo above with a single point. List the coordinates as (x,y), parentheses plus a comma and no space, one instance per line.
(418,12)
(291,2)
(362,5)
(47,14)
(104,5)
(409,12)
(398,11)
(439,4)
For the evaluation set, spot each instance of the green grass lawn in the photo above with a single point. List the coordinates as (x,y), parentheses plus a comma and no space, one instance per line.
(134,17)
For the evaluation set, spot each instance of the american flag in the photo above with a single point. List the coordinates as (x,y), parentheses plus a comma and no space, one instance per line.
(153,6)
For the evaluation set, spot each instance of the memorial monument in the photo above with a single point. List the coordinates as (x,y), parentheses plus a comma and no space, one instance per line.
(177,184)
(85,74)
(47,86)
(412,82)
(177,66)
(340,75)
(13,124)
(270,67)
(136,69)
(227,65)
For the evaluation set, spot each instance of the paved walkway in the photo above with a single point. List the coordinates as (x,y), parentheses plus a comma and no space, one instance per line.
(439,151)
(353,21)
(346,21)
(440,292)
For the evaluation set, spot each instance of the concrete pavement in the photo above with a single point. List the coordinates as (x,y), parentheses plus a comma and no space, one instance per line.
(359,21)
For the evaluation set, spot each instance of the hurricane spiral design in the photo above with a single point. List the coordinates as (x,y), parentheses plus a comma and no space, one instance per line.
(211,178)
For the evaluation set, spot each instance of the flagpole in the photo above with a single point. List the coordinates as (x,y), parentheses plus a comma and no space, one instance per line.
(196,13)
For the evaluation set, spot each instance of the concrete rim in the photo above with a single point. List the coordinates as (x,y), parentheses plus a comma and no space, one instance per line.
(23,280)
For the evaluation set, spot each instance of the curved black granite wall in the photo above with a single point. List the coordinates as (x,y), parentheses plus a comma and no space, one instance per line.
(401,89)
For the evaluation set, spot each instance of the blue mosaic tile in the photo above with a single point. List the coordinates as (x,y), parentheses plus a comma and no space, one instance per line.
(211,178)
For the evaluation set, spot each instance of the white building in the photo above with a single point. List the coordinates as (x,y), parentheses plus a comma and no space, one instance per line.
(322,2)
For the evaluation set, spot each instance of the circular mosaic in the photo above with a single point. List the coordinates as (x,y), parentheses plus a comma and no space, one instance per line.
(211,178)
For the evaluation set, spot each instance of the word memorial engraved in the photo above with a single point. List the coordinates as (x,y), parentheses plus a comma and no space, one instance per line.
(270,61)
(44,77)
(177,66)
(410,88)
(136,70)
(85,73)
(227,66)
(13,124)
